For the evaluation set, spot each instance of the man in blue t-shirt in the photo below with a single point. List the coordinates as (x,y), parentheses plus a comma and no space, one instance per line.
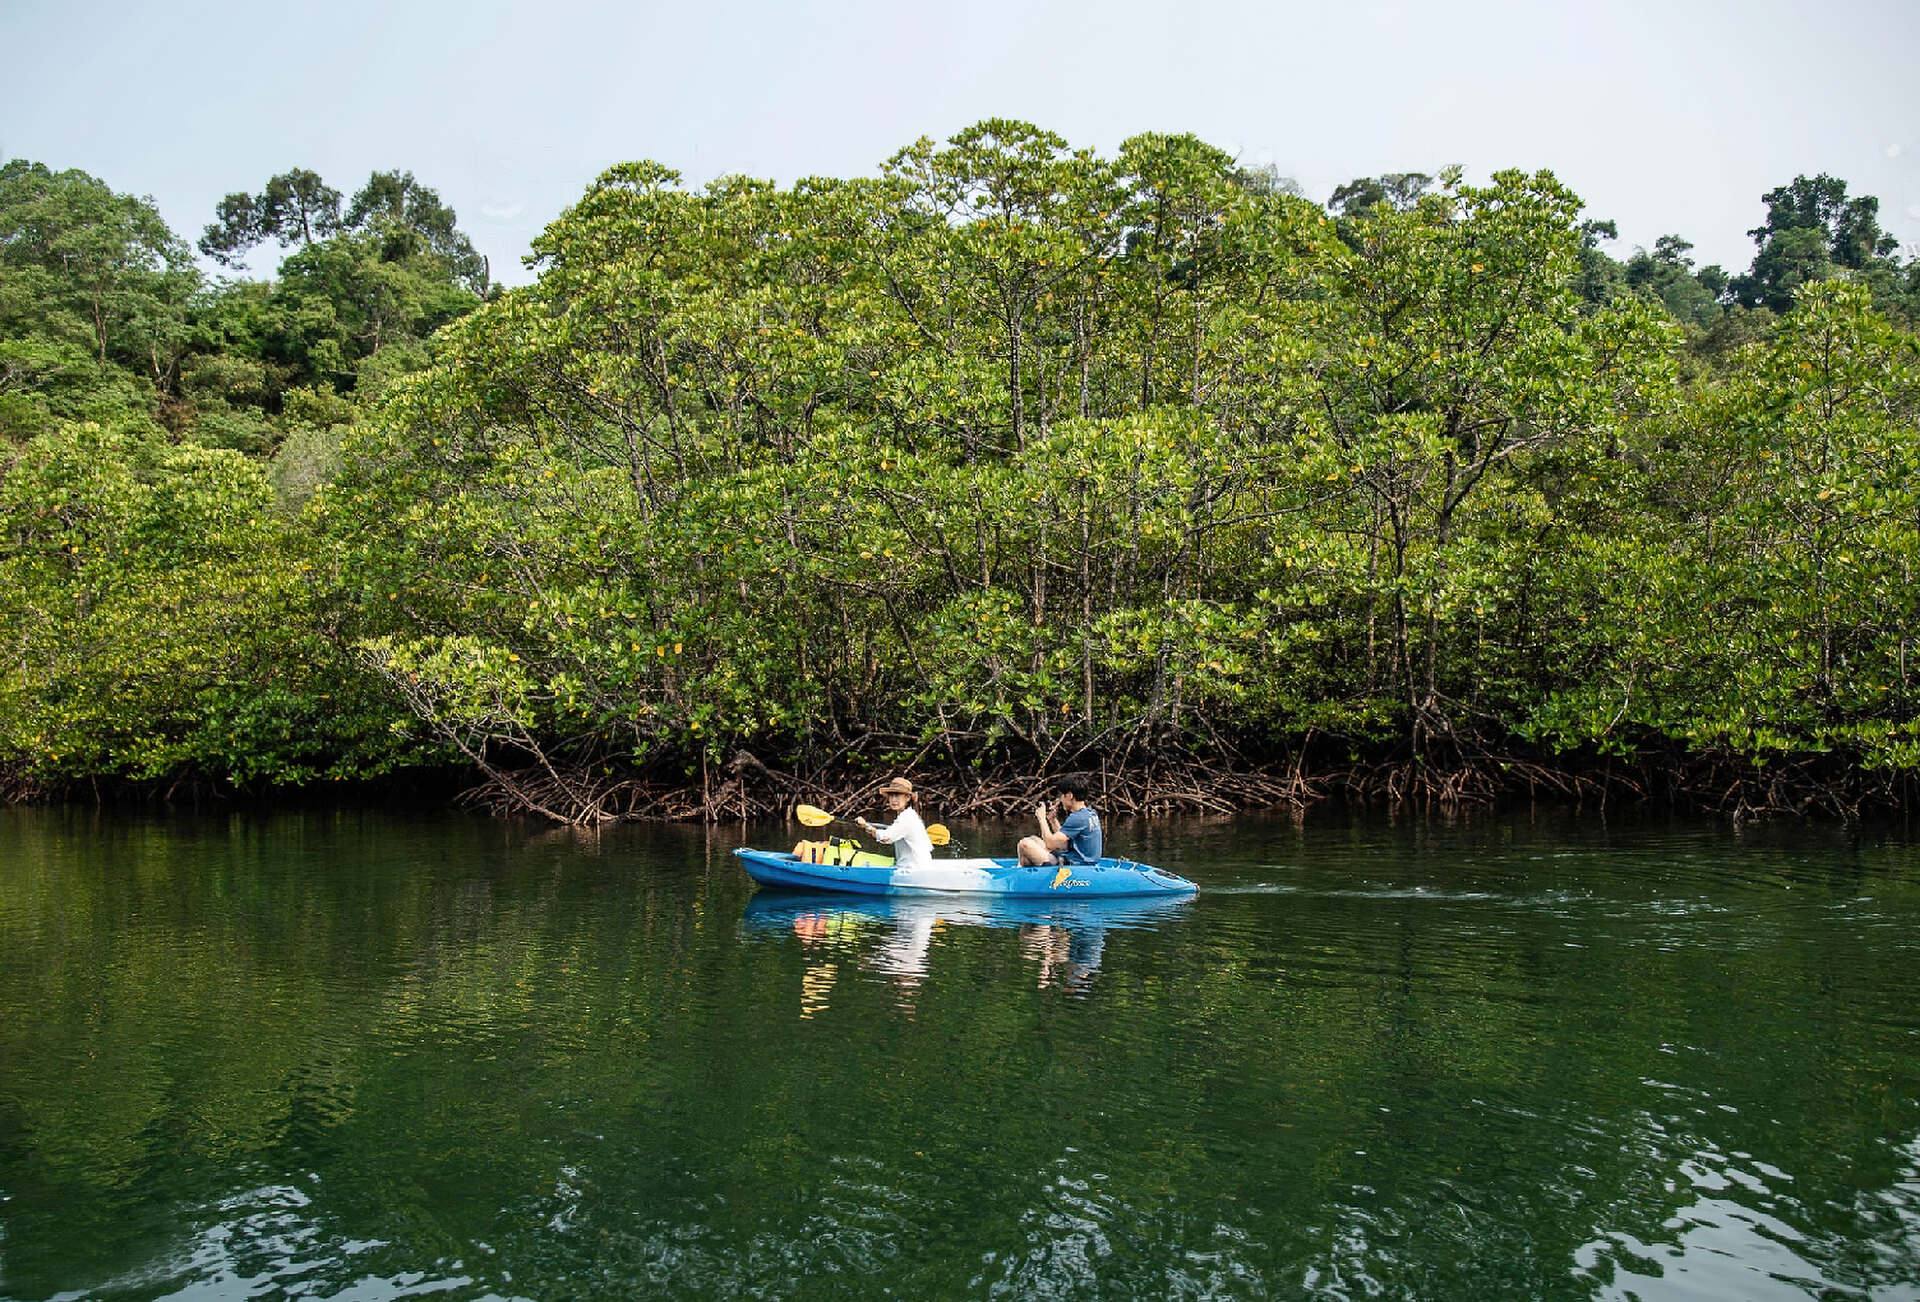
(1072,836)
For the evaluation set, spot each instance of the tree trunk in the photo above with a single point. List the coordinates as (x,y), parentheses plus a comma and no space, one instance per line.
(1013,380)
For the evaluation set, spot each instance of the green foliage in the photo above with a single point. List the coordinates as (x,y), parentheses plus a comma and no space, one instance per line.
(1397,190)
(1601,275)
(410,221)
(85,266)
(688,492)
(1814,231)
(103,317)
(1021,453)
(1757,595)
(1012,454)
(45,382)
(1667,275)
(295,206)
(405,219)
(340,301)
(159,618)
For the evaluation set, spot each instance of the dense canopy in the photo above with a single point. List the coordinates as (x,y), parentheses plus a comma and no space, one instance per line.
(1008,459)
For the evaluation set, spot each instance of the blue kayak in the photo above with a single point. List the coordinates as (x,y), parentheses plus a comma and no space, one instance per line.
(965,877)
(775,912)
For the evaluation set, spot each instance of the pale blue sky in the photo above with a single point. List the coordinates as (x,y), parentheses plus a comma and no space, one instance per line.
(1665,115)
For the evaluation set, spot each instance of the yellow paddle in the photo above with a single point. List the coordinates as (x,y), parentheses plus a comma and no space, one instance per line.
(813,816)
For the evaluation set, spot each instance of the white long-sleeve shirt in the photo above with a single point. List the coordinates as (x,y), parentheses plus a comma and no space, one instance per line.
(908,837)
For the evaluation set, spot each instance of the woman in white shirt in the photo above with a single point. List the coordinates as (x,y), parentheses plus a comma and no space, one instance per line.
(906,833)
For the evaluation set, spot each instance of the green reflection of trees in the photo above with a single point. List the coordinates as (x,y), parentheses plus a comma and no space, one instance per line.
(1444,1064)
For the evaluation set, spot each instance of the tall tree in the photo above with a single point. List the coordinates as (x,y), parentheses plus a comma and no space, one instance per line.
(295,207)
(1398,190)
(84,263)
(1007,198)
(298,208)
(1667,274)
(396,205)
(1601,275)
(1812,228)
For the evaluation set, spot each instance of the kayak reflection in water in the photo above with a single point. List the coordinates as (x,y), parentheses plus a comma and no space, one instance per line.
(893,936)
(1066,956)
(901,953)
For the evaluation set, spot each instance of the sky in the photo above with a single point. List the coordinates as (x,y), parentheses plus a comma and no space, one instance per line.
(1664,115)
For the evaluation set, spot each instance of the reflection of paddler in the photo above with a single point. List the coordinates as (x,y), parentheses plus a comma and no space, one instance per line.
(816,983)
(1069,956)
(904,955)
(1086,946)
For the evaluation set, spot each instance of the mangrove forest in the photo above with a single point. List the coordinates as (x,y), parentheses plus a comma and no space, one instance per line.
(1009,459)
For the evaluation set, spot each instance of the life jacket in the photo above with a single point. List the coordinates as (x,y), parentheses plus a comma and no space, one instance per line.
(838,851)
(830,851)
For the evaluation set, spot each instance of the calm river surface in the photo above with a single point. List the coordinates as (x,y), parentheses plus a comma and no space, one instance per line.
(368,1055)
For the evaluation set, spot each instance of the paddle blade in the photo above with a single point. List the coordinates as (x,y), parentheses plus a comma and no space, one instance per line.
(939,835)
(812,817)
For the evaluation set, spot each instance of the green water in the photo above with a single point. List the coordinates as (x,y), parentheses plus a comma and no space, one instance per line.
(363,1055)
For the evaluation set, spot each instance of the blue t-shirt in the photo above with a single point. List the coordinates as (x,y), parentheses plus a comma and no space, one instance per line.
(1084,842)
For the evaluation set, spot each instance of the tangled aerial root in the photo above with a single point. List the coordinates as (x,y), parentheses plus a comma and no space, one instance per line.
(586,796)
(748,789)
